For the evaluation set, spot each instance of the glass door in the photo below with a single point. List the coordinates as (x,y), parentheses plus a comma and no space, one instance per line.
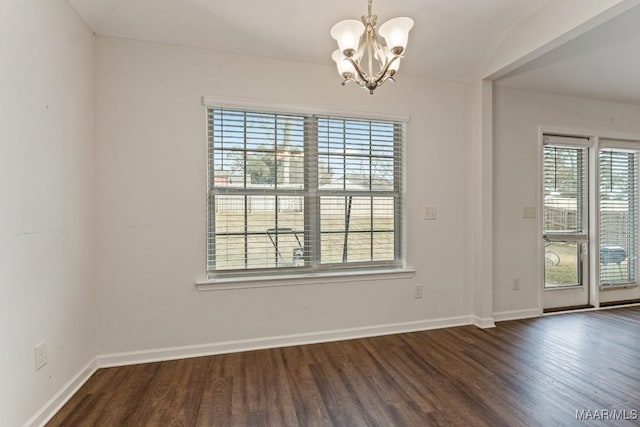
(565,194)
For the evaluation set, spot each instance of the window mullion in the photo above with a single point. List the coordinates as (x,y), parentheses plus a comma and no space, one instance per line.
(371,189)
(398,174)
(211,221)
(246,198)
(311,200)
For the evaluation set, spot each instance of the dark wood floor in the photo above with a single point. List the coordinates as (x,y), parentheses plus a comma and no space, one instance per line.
(536,372)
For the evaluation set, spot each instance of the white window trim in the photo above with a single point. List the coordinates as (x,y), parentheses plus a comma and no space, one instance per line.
(222,102)
(277,279)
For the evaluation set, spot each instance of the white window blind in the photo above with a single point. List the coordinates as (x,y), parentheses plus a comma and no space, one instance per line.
(618,215)
(303,192)
(564,174)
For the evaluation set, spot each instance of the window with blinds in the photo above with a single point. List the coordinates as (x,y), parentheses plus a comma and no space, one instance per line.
(565,196)
(302,192)
(618,216)
(564,174)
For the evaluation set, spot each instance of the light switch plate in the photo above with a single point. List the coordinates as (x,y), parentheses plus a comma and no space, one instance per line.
(430,213)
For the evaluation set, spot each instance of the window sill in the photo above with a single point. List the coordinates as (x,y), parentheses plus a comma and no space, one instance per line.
(248,282)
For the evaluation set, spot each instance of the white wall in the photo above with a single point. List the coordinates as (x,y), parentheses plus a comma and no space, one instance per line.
(152,192)
(46,229)
(517,115)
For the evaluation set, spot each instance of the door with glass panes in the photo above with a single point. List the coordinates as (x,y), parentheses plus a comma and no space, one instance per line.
(590,217)
(565,221)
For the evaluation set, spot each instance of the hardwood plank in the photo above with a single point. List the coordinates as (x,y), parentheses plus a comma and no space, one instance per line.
(101,379)
(534,372)
(307,400)
(215,403)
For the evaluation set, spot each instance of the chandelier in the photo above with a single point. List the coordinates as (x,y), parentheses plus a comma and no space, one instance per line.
(359,44)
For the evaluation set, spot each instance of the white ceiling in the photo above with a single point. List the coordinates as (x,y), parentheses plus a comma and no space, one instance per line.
(451,39)
(603,63)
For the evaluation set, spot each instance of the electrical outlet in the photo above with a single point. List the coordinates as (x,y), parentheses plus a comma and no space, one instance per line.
(516,284)
(418,292)
(40,354)
(430,213)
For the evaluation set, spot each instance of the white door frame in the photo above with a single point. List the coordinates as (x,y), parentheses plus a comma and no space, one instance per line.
(596,296)
(572,295)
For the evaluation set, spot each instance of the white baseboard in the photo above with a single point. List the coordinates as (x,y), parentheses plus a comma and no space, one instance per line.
(517,314)
(483,323)
(59,399)
(172,353)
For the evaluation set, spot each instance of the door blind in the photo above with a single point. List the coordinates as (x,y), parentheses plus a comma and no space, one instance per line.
(564,175)
(618,216)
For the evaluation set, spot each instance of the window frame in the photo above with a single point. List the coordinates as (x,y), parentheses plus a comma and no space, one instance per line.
(312,195)
(582,235)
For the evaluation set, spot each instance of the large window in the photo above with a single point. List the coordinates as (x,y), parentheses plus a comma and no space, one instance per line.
(618,216)
(302,192)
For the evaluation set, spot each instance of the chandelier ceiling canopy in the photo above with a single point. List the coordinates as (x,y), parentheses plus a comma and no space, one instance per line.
(362,57)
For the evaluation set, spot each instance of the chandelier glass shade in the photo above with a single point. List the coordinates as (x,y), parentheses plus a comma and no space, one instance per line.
(362,57)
